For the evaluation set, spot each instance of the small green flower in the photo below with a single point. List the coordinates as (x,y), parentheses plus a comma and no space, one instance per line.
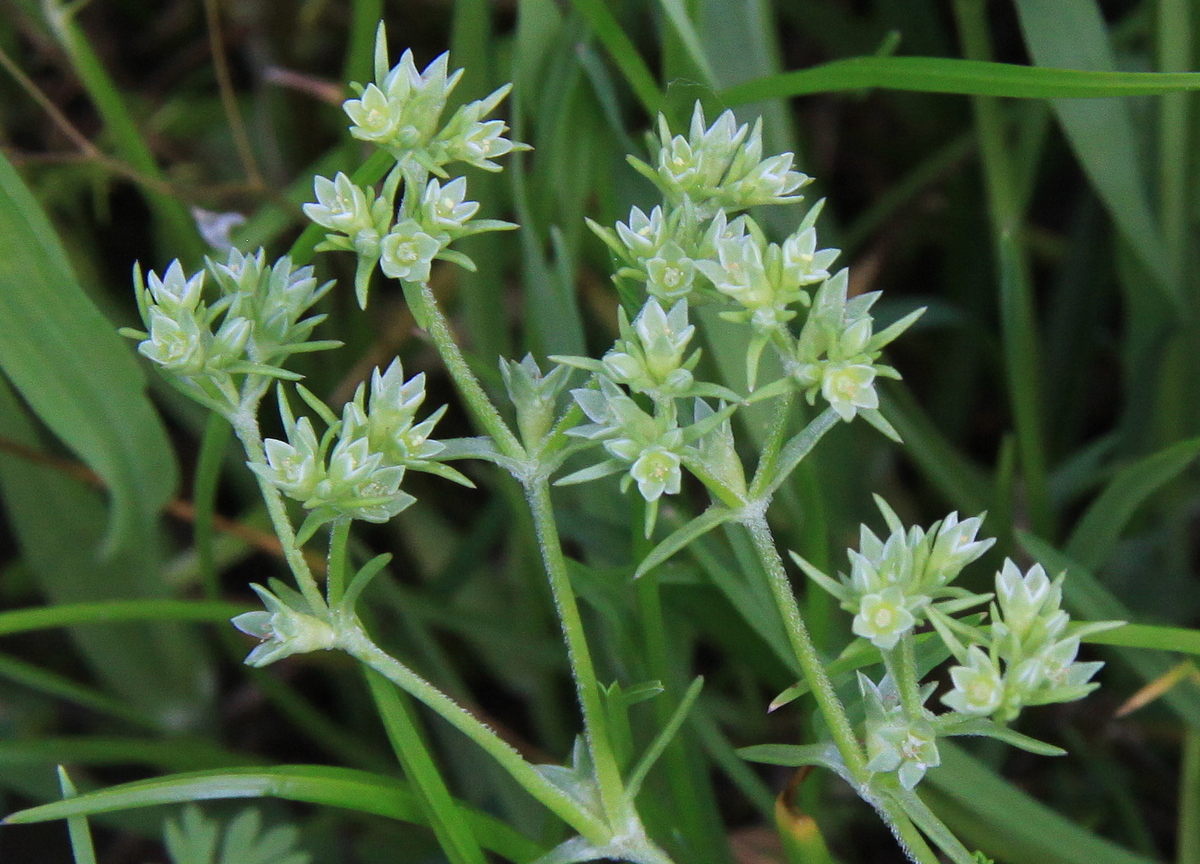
(670,273)
(649,356)
(283,630)
(178,346)
(408,252)
(657,470)
(849,387)
(883,618)
(445,207)
(342,206)
(978,685)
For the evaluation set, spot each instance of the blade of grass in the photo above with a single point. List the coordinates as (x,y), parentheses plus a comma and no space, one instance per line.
(1179,639)
(178,231)
(73,369)
(962,77)
(314,784)
(112,611)
(1174,55)
(1071,34)
(1018,327)
(626,57)
(1098,530)
(1005,822)
(1189,800)
(440,810)
(61,687)
(77,826)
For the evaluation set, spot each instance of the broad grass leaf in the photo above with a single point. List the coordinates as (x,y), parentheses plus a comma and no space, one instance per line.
(74,371)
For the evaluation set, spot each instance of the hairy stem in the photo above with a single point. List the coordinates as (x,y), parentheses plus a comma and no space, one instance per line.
(587,687)
(354,641)
(468,385)
(245,426)
(806,653)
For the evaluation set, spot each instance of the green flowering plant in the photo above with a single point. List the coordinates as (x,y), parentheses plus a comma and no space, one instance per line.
(643,411)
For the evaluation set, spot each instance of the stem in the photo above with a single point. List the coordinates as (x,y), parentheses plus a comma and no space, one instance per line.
(478,403)
(765,469)
(245,426)
(907,834)
(335,571)
(901,663)
(587,687)
(1189,800)
(354,641)
(806,653)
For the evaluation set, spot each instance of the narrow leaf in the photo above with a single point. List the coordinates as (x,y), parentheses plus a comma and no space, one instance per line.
(965,77)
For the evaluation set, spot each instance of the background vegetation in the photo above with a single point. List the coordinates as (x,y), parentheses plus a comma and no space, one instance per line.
(1052,383)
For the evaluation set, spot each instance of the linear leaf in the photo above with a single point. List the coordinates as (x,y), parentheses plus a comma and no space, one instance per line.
(1100,527)
(1003,821)
(106,612)
(1071,34)
(965,77)
(1181,639)
(314,784)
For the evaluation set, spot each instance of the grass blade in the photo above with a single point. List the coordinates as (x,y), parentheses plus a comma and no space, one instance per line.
(113,611)
(1070,34)
(1004,822)
(1100,527)
(442,814)
(964,77)
(337,787)
(72,368)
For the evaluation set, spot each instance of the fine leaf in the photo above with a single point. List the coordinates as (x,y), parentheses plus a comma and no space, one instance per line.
(965,77)
(1071,34)
(314,784)
(681,537)
(1098,531)
(1179,639)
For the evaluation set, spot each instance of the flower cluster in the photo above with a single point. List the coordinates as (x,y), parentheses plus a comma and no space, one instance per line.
(355,469)
(894,584)
(250,328)
(1032,638)
(401,113)
(720,167)
(650,358)
(1025,656)
(896,741)
(699,248)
